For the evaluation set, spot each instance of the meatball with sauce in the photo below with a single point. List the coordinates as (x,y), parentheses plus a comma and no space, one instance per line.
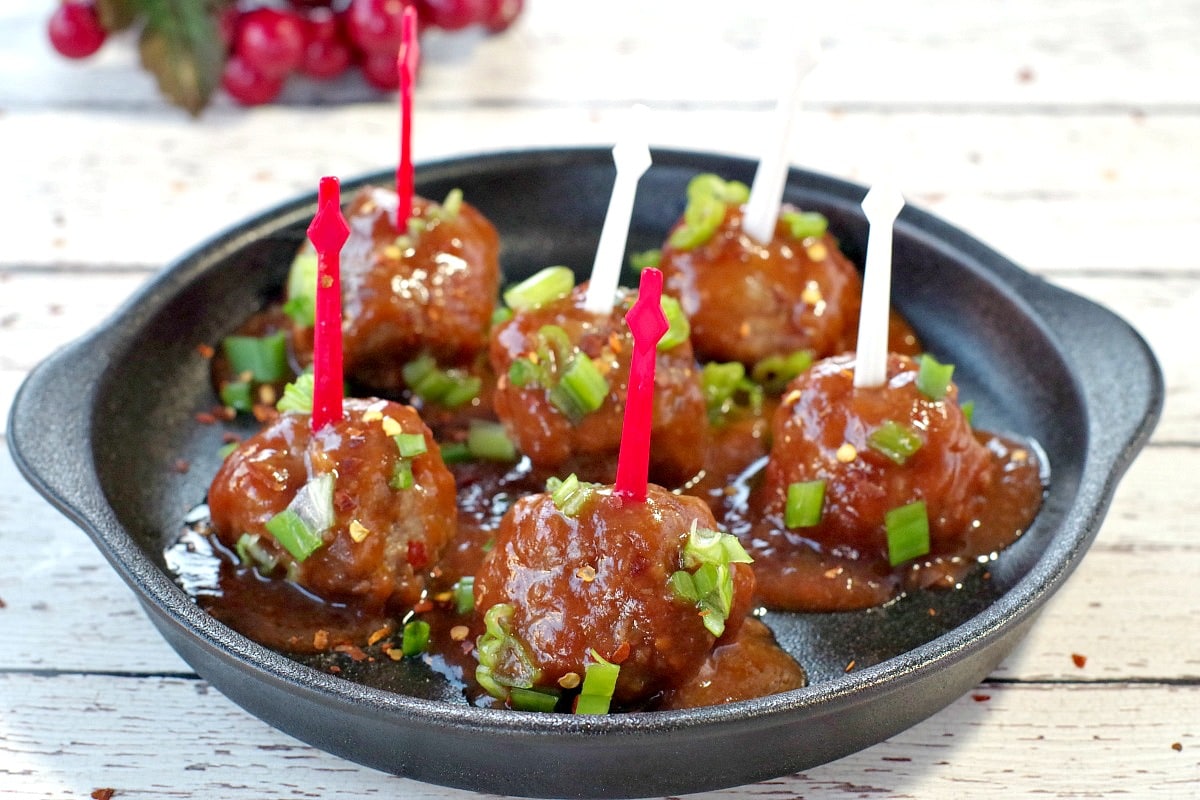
(580,576)
(563,377)
(356,512)
(426,290)
(868,491)
(748,301)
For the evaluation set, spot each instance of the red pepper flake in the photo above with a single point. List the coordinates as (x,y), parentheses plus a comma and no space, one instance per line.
(417,557)
(620,654)
(354,651)
(103,794)
(205,418)
(181,466)
(423,607)
(981,698)
(850,666)
(343,501)
(1177,747)
(1080,661)
(205,350)
(379,634)
(933,612)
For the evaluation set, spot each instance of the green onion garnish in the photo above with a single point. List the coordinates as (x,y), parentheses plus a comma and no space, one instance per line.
(489,441)
(968,410)
(418,369)
(450,388)
(452,205)
(402,475)
(803,224)
(678,327)
(684,586)
(410,444)
(498,649)
(583,388)
(897,442)
(464,594)
(293,535)
(933,378)
(804,502)
(645,259)
(907,532)
(723,385)
(599,683)
(710,586)
(301,303)
(297,395)
(237,395)
(532,699)
(708,199)
(263,357)
(455,452)
(570,494)
(415,638)
(541,288)
(227,450)
(523,372)
(250,552)
(501,315)
(775,372)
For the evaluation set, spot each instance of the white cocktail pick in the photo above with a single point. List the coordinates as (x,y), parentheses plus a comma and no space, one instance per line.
(881,205)
(632,157)
(766,193)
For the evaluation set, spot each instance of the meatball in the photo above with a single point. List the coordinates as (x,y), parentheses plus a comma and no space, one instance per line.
(532,352)
(595,578)
(391,498)
(749,301)
(876,449)
(430,289)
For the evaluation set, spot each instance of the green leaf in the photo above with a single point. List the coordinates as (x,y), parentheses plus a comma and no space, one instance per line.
(181,46)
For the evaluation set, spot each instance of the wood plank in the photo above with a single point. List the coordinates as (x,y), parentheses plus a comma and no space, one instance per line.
(989,174)
(1084,55)
(65,737)
(1139,568)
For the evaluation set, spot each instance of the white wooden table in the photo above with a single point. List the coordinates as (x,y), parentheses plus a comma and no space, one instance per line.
(1065,135)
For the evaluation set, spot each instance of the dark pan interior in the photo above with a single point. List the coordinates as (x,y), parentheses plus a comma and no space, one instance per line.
(969,305)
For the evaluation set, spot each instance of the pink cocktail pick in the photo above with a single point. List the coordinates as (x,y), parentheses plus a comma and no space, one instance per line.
(328,233)
(406,66)
(648,324)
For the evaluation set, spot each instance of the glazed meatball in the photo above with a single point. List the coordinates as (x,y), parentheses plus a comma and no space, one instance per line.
(533,351)
(430,289)
(595,576)
(377,472)
(748,301)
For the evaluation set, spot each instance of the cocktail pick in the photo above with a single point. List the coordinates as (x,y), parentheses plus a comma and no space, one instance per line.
(328,233)
(406,66)
(648,324)
(881,206)
(632,157)
(766,193)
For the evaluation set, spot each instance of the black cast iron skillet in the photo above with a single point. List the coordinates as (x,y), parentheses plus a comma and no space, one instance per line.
(98,426)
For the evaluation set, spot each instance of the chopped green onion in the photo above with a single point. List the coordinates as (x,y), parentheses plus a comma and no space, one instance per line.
(489,441)
(452,205)
(907,532)
(465,389)
(418,369)
(723,384)
(464,594)
(583,388)
(897,442)
(497,648)
(410,444)
(570,495)
(933,378)
(543,701)
(803,224)
(678,327)
(523,372)
(297,395)
(775,372)
(450,388)
(301,303)
(708,199)
(250,552)
(293,534)
(553,338)
(645,259)
(968,410)
(402,475)
(227,450)
(264,357)
(415,638)
(237,395)
(501,315)
(599,683)
(804,502)
(684,586)
(541,288)
(705,546)
(433,386)
(710,586)
(455,452)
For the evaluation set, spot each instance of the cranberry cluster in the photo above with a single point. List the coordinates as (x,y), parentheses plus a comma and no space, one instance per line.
(267,42)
